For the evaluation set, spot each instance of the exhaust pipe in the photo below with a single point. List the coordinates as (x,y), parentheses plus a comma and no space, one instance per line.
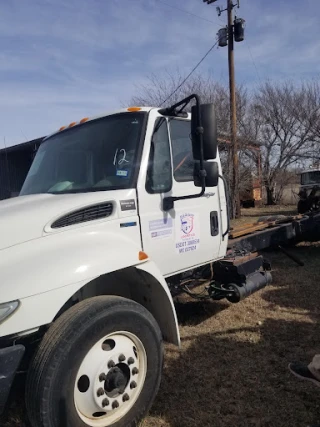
(253,283)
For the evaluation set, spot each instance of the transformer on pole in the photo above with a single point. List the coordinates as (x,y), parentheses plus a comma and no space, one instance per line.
(233,32)
(223,37)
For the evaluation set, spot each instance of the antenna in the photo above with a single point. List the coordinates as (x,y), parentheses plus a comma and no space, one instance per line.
(7,164)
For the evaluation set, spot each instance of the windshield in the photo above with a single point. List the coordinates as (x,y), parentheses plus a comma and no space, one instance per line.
(310,178)
(98,155)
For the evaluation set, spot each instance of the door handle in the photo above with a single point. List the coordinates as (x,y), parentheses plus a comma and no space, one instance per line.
(214,223)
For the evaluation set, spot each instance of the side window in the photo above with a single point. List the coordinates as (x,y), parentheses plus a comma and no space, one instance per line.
(159,175)
(183,162)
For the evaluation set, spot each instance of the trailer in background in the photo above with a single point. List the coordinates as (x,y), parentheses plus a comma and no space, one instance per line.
(309,194)
(15,163)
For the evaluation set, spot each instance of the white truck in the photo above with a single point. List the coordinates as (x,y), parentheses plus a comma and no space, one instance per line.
(113,213)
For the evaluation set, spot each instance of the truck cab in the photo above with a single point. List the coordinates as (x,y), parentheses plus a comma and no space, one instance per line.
(113,209)
(133,160)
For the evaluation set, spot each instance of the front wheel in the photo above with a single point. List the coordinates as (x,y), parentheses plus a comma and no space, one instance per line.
(99,365)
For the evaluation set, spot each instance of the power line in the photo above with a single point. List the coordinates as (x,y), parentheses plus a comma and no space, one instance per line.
(186,11)
(253,61)
(211,22)
(191,72)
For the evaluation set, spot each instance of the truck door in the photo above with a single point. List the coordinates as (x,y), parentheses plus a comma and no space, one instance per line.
(190,234)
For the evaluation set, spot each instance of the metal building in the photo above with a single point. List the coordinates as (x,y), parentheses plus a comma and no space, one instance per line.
(15,163)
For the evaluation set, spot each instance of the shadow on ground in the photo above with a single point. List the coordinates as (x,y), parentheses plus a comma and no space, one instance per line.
(238,376)
(196,312)
(224,380)
(303,292)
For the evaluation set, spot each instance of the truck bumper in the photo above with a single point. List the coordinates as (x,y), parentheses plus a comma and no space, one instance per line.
(10,359)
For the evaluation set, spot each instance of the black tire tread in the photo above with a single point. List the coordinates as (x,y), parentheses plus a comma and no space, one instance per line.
(94,306)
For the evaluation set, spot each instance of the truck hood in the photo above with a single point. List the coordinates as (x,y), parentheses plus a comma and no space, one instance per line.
(25,218)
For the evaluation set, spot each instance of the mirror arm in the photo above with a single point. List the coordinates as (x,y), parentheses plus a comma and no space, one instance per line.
(183,102)
(168,202)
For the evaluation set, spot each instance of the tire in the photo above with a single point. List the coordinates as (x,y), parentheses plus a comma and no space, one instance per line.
(71,374)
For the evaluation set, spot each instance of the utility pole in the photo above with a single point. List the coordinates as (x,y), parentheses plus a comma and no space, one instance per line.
(226,36)
(234,175)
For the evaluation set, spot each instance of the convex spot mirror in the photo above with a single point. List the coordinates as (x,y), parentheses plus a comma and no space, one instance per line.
(212,174)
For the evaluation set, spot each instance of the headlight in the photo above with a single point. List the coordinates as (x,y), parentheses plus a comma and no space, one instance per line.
(7,308)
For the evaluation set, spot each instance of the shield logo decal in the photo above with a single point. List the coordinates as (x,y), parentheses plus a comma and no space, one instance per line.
(186,223)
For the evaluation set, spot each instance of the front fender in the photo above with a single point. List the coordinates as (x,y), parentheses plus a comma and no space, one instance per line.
(158,300)
(44,274)
(150,290)
(65,258)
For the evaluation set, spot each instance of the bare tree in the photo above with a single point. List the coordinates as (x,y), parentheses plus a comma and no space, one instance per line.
(308,112)
(283,118)
(284,136)
(162,91)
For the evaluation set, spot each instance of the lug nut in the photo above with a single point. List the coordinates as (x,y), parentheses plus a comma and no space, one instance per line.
(133,384)
(105,402)
(135,371)
(102,377)
(115,404)
(125,397)
(111,364)
(100,392)
(130,361)
(122,358)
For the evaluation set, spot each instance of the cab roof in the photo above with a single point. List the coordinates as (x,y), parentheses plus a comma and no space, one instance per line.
(89,119)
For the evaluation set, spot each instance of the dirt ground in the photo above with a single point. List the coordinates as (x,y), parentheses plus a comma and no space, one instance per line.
(231,370)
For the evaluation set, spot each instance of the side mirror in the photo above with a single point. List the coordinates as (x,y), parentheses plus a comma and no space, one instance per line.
(210,133)
(212,171)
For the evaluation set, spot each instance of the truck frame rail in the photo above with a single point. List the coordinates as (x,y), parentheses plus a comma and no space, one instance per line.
(271,234)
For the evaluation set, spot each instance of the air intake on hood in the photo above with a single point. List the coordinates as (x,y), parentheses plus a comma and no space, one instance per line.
(90,213)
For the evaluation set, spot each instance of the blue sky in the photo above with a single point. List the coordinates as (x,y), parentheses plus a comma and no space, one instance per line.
(61,60)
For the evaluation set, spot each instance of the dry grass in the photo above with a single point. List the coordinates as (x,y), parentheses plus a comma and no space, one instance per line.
(231,370)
